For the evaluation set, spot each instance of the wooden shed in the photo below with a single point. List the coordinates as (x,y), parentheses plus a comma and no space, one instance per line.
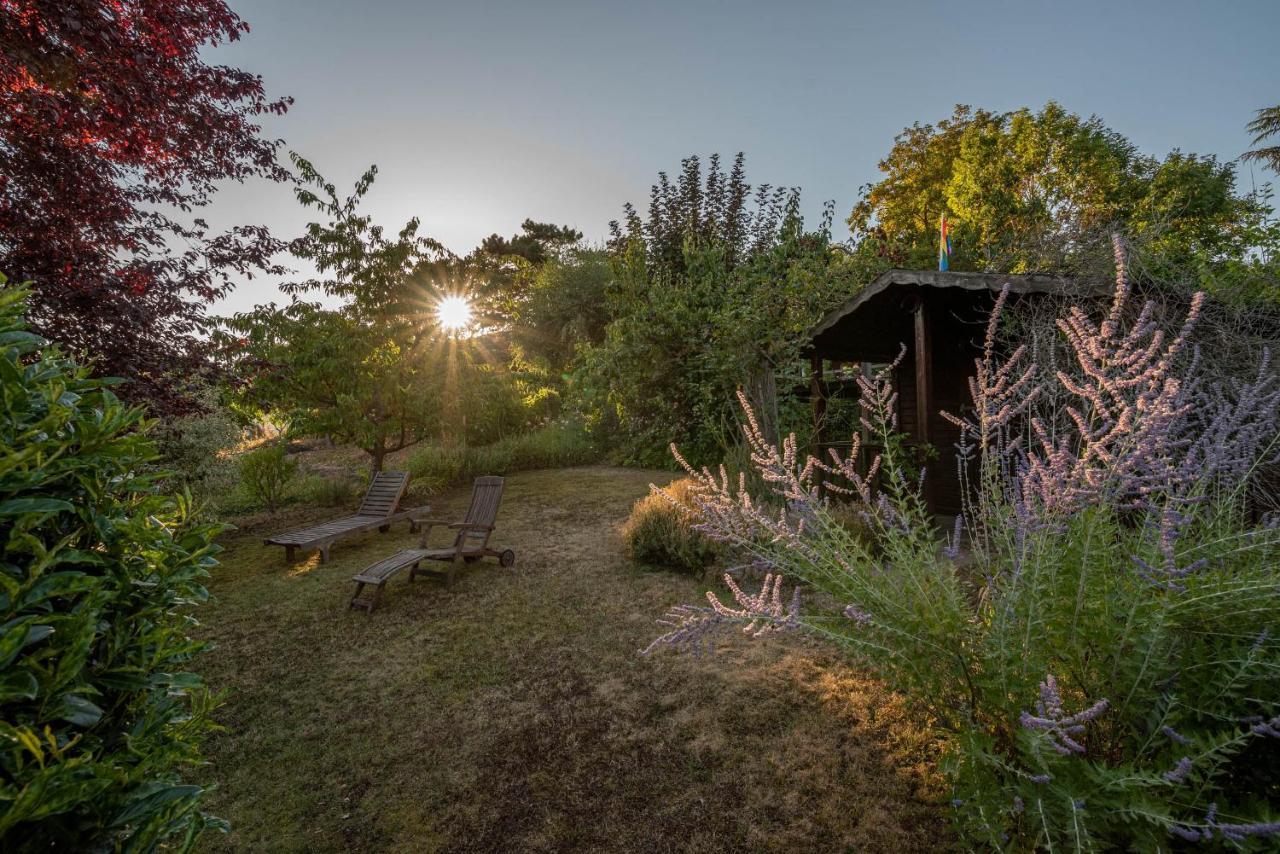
(940,317)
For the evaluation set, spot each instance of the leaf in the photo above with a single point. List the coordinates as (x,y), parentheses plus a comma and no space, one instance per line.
(18,506)
(79,711)
(17,685)
(154,800)
(16,634)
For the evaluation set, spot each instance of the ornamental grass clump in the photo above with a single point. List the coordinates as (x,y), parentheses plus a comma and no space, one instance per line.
(1098,640)
(660,531)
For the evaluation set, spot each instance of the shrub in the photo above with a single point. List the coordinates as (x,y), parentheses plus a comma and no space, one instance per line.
(266,473)
(659,531)
(97,712)
(554,446)
(193,448)
(330,491)
(1103,667)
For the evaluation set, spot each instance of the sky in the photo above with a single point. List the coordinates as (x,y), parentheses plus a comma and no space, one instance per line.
(479,114)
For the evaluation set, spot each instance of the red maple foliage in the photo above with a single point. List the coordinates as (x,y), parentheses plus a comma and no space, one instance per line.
(111,126)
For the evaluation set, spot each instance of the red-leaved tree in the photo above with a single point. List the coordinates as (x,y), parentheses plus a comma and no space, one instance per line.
(112,131)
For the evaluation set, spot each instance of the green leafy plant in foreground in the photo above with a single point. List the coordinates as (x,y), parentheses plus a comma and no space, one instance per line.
(98,712)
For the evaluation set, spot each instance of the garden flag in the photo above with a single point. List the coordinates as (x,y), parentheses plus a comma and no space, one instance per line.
(944,246)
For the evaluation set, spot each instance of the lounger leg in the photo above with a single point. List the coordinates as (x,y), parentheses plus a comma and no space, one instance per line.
(383,529)
(324,554)
(413,573)
(355,597)
(377,597)
(290,553)
(453,569)
(414,526)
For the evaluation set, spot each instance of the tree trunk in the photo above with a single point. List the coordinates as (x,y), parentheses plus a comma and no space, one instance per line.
(379,453)
(762,392)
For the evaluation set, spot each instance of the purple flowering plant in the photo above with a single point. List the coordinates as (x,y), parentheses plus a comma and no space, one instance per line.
(1096,637)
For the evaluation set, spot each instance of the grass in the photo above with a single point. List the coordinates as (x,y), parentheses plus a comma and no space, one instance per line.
(513,713)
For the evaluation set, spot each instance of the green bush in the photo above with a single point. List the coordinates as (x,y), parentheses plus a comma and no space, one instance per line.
(193,449)
(330,491)
(97,712)
(266,474)
(659,532)
(554,446)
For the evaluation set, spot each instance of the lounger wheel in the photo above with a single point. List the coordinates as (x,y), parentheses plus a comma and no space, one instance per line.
(507,558)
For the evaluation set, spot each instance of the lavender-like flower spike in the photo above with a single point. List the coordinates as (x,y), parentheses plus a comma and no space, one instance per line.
(1060,730)
(859,616)
(1174,735)
(1180,771)
(1268,728)
(1229,832)
(952,547)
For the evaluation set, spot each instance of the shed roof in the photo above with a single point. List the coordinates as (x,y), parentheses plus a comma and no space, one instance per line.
(1034,283)
(874,323)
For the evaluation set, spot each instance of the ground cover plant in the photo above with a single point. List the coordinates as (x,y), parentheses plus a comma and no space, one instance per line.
(1098,638)
(100,719)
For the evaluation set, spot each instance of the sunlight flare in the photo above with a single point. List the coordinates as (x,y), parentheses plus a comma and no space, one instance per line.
(454,313)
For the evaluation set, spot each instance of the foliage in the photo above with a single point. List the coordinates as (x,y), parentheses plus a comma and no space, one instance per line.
(1042,191)
(1265,126)
(194,449)
(1101,650)
(363,373)
(331,491)
(659,532)
(267,472)
(98,713)
(712,293)
(332,373)
(380,276)
(110,120)
(557,445)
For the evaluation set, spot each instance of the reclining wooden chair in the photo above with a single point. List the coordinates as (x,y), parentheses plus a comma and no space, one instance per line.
(378,510)
(470,543)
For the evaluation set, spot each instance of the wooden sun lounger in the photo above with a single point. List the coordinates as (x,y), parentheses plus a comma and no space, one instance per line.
(469,544)
(378,510)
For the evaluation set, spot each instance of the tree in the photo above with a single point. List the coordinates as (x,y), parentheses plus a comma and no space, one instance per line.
(1042,191)
(365,373)
(712,292)
(337,374)
(1264,127)
(111,123)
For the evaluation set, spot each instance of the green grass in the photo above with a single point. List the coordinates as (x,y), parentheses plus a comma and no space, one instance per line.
(513,713)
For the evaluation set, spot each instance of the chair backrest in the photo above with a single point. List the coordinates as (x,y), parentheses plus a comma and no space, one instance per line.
(486,495)
(384,493)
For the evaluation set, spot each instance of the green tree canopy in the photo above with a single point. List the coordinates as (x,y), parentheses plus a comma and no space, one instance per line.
(1040,190)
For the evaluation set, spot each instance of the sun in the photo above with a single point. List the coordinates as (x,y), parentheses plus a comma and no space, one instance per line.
(454,313)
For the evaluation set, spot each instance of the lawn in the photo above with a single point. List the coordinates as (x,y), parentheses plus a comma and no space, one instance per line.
(514,712)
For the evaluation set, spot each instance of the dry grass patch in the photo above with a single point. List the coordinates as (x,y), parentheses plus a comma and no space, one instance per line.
(513,713)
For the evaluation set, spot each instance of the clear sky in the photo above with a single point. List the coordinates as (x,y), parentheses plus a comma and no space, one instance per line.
(480,114)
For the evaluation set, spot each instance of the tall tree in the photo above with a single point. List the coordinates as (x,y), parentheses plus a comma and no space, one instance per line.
(1264,127)
(1041,191)
(112,126)
(369,372)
